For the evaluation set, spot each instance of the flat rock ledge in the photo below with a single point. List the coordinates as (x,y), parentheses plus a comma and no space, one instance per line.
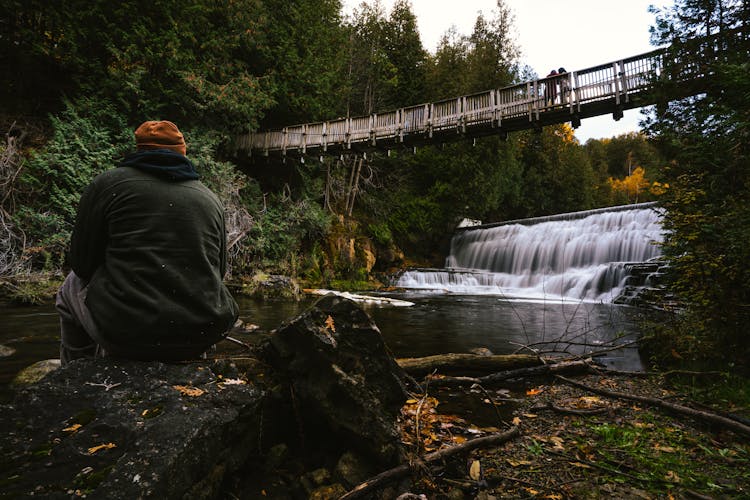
(130,430)
(126,430)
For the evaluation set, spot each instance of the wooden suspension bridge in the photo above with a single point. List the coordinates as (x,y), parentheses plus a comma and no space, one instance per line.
(570,97)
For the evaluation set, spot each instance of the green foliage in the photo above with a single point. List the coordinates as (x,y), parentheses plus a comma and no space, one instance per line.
(282,230)
(189,61)
(380,232)
(372,77)
(486,59)
(425,194)
(24,290)
(89,137)
(303,52)
(708,202)
(557,174)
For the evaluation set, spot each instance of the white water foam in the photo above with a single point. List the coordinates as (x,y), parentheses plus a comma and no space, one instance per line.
(571,257)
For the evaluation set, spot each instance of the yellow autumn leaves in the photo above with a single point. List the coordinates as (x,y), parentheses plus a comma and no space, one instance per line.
(635,185)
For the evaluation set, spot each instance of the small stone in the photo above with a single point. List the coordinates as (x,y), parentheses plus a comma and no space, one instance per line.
(36,372)
(352,469)
(276,457)
(6,351)
(320,476)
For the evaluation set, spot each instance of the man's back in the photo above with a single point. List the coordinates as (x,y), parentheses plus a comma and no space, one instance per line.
(152,249)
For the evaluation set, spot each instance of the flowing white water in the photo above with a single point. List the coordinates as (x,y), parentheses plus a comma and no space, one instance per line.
(577,256)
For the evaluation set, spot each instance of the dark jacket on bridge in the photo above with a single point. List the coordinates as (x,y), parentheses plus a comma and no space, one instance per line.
(150,244)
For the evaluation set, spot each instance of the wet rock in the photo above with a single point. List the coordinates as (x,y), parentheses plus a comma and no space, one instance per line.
(276,457)
(269,287)
(315,479)
(36,372)
(330,492)
(342,376)
(6,351)
(353,469)
(124,429)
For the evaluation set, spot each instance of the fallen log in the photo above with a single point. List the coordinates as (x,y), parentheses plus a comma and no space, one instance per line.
(705,416)
(402,470)
(466,363)
(577,366)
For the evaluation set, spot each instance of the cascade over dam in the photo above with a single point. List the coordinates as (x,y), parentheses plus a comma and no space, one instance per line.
(580,256)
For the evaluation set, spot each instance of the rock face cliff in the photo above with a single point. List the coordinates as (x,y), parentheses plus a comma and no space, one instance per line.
(123,429)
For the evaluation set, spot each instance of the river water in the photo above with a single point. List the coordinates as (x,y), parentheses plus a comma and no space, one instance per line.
(437,323)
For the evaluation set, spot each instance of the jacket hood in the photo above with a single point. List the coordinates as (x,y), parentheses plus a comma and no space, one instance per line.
(163,163)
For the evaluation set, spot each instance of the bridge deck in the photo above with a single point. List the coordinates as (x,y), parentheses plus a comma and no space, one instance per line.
(603,89)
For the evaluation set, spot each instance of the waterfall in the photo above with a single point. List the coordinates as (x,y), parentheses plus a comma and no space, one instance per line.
(576,256)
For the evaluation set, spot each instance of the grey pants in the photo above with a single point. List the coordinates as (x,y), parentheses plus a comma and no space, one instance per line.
(78,332)
(81,338)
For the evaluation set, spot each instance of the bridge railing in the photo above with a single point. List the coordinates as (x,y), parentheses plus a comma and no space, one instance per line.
(617,81)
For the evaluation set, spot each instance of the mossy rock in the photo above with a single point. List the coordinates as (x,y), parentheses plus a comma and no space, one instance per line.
(36,372)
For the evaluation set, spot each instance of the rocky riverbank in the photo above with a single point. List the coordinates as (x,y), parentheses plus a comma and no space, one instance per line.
(319,406)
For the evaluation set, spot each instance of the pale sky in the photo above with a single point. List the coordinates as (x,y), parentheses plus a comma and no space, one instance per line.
(574,34)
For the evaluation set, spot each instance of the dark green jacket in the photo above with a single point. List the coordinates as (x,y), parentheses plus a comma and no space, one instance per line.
(150,241)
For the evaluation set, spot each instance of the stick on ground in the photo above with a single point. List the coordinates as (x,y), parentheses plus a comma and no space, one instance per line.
(402,470)
(705,416)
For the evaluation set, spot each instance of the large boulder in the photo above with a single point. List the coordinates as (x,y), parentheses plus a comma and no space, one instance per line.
(125,429)
(342,376)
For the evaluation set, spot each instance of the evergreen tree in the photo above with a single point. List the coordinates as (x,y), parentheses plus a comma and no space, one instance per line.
(707,214)
(304,53)
(189,60)
(407,56)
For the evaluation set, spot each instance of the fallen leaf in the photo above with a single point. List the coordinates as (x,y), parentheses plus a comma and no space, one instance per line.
(106,446)
(672,477)
(529,415)
(579,464)
(329,323)
(189,391)
(517,463)
(516,421)
(554,496)
(233,381)
(534,392)
(558,443)
(588,401)
(475,471)
(665,449)
(72,428)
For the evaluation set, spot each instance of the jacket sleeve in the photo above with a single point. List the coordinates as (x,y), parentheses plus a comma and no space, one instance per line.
(89,240)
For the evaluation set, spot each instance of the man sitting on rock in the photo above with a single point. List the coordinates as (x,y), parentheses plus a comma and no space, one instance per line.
(148,254)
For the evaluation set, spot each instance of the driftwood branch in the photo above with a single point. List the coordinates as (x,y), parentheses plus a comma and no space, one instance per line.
(705,416)
(569,411)
(404,469)
(577,366)
(466,363)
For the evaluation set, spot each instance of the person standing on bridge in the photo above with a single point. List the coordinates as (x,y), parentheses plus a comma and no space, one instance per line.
(564,84)
(148,256)
(550,88)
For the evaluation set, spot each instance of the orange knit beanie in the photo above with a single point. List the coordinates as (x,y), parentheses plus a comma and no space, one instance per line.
(160,135)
